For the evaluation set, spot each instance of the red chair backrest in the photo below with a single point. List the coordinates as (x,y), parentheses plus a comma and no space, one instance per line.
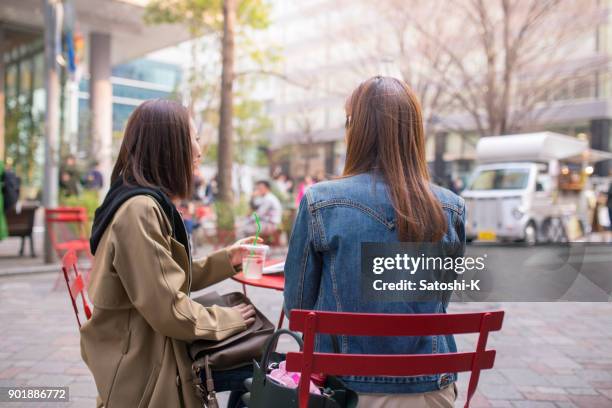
(371,324)
(66,216)
(75,284)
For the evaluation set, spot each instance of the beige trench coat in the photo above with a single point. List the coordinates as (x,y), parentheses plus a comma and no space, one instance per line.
(135,344)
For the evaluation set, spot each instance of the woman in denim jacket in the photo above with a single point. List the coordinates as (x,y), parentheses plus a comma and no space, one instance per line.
(383,196)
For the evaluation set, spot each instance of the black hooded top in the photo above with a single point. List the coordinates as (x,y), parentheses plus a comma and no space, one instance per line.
(118,194)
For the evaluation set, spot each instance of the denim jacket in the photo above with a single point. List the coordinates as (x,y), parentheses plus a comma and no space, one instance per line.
(323,267)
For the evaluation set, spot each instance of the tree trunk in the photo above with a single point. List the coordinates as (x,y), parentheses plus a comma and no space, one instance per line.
(225,220)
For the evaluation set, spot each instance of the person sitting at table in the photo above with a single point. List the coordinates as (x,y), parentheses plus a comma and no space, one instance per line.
(268,208)
(384,195)
(135,343)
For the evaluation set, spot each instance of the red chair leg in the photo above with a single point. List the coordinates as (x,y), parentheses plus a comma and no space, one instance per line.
(480,350)
(308,349)
(74,306)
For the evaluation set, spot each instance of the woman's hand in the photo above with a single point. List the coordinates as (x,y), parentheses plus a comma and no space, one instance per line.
(247,312)
(236,252)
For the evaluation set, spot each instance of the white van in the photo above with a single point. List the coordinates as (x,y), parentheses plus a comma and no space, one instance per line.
(531,187)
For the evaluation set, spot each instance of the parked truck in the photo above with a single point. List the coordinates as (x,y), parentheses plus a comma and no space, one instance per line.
(532,187)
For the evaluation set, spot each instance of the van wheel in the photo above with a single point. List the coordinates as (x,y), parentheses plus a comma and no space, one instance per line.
(553,230)
(531,234)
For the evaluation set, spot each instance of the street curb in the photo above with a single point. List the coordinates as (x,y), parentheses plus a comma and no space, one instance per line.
(39,269)
(28,270)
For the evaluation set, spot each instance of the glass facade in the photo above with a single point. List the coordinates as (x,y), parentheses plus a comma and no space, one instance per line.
(133,83)
(24,113)
(154,72)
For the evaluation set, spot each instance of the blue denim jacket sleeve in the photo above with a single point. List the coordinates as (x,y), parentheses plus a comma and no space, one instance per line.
(304,263)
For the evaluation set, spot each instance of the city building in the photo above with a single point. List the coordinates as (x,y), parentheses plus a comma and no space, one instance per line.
(328,47)
(132,83)
(112,33)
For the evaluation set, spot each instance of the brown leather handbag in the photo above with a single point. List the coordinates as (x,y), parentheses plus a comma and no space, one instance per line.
(236,351)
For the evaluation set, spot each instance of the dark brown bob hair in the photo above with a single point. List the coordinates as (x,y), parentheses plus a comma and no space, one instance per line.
(156,149)
(384,131)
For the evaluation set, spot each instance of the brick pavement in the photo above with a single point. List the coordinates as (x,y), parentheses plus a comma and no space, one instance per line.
(549,355)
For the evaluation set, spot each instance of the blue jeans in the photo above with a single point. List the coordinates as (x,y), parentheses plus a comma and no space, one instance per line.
(231,380)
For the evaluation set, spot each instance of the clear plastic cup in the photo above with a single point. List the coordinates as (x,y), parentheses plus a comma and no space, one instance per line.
(254,261)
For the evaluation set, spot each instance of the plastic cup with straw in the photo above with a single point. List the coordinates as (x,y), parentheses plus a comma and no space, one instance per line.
(252,265)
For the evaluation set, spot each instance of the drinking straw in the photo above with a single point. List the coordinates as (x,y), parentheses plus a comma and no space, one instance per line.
(258,228)
(257,231)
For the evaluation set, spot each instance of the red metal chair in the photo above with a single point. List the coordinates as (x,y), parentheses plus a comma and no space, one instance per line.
(67,228)
(370,324)
(203,211)
(75,284)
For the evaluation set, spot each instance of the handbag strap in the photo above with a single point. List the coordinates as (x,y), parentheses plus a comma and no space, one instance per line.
(210,384)
(206,391)
(271,345)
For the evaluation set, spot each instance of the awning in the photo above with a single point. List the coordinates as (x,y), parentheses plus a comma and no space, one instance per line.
(122,19)
(539,147)
(590,156)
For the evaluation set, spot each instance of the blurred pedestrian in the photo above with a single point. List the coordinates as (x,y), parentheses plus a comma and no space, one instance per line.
(11,188)
(94,180)
(268,208)
(211,190)
(283,187)
(283,184)
(456,185)
(302,188)
(199,185)
(70,178)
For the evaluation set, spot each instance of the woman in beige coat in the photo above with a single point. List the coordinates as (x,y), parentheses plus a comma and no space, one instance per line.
(135,344)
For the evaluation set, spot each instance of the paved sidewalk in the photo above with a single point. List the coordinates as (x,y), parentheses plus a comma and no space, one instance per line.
(549,354)
(10,261)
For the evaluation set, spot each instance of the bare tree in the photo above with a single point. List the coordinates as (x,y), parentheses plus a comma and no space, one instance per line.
(305,138)
(496,61)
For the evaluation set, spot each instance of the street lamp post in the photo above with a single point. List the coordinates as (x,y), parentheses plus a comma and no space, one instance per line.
(51,173)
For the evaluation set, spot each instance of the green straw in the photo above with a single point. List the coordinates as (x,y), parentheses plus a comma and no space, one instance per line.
(257,231)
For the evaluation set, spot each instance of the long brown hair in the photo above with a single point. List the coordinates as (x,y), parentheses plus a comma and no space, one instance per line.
(384,131)
(156,149)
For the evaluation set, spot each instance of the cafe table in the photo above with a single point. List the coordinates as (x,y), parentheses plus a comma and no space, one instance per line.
(274,281)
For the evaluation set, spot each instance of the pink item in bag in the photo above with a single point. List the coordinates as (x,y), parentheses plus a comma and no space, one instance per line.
(290,379)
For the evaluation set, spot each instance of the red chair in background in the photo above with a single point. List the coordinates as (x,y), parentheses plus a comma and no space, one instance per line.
(370,324)
(203,211)
(67,228)
(75,284)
